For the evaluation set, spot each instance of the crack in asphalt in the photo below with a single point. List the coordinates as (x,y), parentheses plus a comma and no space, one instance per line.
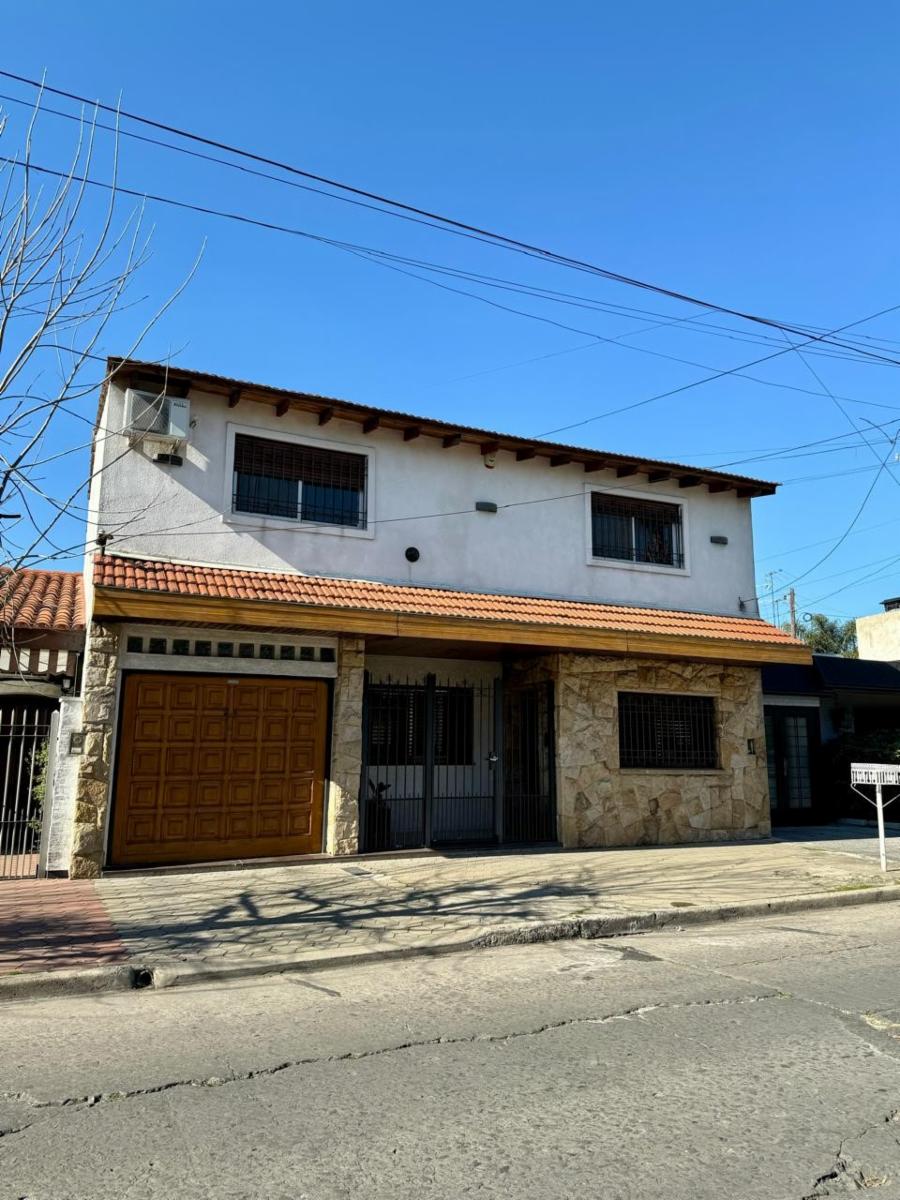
(80,1103)
(848,1175)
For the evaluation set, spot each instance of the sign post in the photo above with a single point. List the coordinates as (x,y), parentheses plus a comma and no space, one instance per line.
(876,775)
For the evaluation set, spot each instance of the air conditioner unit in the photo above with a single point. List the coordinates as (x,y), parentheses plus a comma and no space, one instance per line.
(156,416)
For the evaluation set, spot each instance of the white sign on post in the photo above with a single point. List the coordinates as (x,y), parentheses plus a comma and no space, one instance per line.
(876,775)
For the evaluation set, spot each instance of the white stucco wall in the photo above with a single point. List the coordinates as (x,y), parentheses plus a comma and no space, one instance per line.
(533,548)
(879,636)
(59,803)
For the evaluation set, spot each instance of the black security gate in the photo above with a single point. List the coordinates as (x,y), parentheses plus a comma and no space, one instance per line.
(455,763)
(24,732)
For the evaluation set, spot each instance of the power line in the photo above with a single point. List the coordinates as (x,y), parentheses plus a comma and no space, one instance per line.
(399,207)
(381,257)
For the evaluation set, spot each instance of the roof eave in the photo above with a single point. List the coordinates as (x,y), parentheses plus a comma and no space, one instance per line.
(328,408)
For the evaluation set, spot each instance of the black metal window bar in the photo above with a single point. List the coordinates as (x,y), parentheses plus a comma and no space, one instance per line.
(641,531)
(305,483)
(437,770)
(24,733)
(664,731)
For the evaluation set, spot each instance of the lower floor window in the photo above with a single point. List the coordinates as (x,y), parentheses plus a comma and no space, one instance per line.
(658,731)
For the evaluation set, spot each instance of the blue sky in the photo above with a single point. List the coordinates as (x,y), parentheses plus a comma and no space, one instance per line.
(742,153)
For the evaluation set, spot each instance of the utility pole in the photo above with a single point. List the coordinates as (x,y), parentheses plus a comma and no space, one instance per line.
(792,601)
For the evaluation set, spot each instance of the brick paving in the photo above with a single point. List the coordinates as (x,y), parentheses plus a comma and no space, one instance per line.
(326,908)
(48,924)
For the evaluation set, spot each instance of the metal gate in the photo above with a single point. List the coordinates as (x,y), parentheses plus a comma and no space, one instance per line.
(24,739)
(450,763)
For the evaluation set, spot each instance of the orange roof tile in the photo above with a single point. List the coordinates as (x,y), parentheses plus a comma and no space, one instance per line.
(42,600)
(403,599)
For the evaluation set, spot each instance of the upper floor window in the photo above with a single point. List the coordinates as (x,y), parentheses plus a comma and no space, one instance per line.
(639,531)
(304,483)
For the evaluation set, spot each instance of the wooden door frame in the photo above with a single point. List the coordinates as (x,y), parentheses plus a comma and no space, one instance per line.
(116,746)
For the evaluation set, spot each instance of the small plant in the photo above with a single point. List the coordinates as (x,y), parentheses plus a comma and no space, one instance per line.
(39,762)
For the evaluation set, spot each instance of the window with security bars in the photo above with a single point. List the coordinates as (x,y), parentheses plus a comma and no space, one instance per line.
(397,725)
(659,731)
(640,531)
(304,483)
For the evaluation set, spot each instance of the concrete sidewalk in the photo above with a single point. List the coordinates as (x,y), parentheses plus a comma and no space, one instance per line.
(187,924)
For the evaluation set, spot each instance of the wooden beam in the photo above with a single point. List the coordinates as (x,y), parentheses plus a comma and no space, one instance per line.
(490,447)
(325,415)
(560,460)
(745,493)
(687,481)
(525,454)
(631,469)
(594,464)
(124,604)
(411,432)
(281,407)
(451,439)
(659,476)
(371,423)
(234,398)
(720,487)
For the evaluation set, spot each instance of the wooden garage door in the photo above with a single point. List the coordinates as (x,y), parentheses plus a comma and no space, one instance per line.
(217,768)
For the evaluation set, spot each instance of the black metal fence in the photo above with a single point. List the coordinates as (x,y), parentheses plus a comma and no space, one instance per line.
(24,734)
(455,763)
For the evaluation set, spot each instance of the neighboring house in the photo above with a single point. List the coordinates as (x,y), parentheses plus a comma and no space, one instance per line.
(878,635)
(41,645)
(319,625)
(806,707)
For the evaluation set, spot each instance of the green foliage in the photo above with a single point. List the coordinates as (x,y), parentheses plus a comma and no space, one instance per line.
(39,764)
(879,746)
(824,635)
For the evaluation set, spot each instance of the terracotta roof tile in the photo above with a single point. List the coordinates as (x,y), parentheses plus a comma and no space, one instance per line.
(42,600)
(404,599)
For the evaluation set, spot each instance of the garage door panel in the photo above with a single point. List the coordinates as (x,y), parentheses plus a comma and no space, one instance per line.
(177,794)
(210,793)
(173,827)
(211,769)
(142,829)
(207,827)
(213,727)
(184,696)
(151,694)
(244,727)
(211,760)
(179,760)
(243,760)
(181,727)
(143,795)
(147,762)
(149,727)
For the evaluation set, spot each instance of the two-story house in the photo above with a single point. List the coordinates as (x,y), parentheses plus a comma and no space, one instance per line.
(315,625)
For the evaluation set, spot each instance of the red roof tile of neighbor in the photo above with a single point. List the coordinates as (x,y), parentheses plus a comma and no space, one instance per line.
(403,599)
(42,600)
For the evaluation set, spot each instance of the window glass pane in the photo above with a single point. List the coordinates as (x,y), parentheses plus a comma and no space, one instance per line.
(664,731)
(644,531)
(289,479)
(260,494)
(612,535)
(653,540)
(330,505)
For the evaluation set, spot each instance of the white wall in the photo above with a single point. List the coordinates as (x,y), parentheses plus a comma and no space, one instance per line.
(535,548)
(59,801)
(879,636)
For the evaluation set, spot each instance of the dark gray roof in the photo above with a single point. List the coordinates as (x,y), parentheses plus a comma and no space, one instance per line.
(830,673)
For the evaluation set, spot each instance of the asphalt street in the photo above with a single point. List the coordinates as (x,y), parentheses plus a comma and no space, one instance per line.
(747,1060)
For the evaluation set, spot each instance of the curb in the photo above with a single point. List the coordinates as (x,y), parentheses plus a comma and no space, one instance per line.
(121,977)
(118,977)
